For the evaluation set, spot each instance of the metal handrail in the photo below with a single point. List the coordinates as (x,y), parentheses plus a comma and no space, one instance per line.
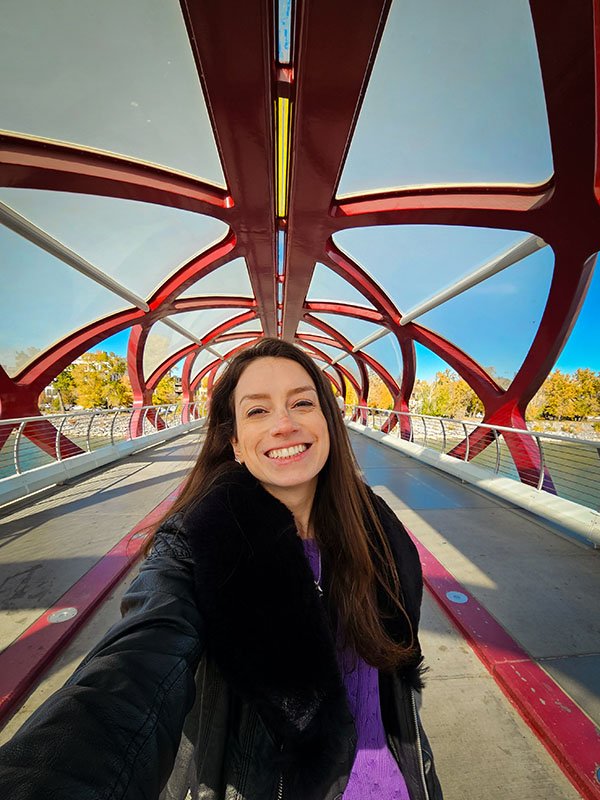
(501,428)
(88,431)
(566,466)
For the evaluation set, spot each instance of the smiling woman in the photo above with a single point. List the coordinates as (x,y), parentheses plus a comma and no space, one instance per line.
(281,434)
(283,596)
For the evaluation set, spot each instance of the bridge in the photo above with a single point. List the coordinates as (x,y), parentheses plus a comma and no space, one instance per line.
(399,188)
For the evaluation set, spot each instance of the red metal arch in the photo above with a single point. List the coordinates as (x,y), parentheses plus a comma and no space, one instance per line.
(233,48)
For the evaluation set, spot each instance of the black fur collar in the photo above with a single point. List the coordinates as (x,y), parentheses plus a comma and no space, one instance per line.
(266,626)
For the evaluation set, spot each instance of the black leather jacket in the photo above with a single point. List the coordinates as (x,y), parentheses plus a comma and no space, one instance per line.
(149,715)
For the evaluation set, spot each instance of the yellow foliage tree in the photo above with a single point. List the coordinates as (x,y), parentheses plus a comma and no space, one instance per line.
(379,394)
(351,396)
(165,391)
(567,396)
(100,380)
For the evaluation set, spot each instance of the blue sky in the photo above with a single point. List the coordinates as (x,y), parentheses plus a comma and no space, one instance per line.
(484,123)
(581,349)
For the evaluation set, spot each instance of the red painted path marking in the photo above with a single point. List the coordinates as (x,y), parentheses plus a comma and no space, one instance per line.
(567,732)
(23,661)
(569,735)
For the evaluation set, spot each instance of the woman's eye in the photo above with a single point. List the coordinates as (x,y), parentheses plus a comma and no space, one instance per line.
(304,404)
(252,412)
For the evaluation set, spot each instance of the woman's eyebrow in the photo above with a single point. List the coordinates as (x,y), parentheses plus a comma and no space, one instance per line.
(301,389)
(266,396)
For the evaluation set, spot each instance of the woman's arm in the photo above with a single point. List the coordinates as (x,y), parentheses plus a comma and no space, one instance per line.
(113,730)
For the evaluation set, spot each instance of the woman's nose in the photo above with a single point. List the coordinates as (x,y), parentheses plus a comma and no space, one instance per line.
(283,423)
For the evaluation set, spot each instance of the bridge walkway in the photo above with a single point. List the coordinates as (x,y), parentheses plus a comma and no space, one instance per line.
(542,589)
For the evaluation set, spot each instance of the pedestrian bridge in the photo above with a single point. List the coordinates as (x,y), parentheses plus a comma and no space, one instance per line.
(510,626)
(399,188)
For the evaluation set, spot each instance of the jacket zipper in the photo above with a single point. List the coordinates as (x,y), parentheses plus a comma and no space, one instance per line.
(279,795)
(419,748)
(246,758)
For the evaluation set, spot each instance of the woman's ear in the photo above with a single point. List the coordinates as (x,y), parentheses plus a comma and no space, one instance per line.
(236,451)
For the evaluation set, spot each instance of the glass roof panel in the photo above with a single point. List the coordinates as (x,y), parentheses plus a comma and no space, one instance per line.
(284,30)
(230,279)
(333,352)
(219,370)
(163,341)
(35,282)
(485,122)
(111,76)
(414,262)
(251,325)
(223,348)
(304,327)
(387,352)
(496,321)
(353,329)
(201,322)
(137,244)
(202,359)
(350,364)
(327,285)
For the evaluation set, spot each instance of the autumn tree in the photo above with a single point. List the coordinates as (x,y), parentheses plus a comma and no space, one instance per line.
(100,380)
(379,394)
(165,391)
(447,395)
(119,393)
(567,396)
(420,397)
(23,357)
(64,386)
(351,396)
(587,398)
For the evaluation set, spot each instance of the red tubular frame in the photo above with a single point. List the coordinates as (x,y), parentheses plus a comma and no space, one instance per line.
(232,47)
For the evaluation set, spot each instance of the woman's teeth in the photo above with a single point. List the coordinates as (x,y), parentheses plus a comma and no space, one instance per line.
(286,452)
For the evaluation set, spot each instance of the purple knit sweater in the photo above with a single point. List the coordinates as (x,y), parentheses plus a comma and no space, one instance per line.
(375,774)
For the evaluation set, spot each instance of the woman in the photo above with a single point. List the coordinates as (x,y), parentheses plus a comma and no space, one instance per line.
(268,647)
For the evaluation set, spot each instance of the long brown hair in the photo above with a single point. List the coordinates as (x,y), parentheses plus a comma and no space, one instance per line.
(363,563)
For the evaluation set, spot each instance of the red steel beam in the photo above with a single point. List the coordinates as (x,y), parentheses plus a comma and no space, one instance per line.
(29,163)
(333,56)
(233,49)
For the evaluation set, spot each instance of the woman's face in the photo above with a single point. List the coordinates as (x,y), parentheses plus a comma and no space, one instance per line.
(281,432)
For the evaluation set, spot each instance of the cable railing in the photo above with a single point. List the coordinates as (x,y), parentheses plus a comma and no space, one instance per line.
(564,466)
(31,442)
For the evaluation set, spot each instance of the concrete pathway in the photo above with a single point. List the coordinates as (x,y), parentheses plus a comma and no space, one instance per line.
(542,588)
